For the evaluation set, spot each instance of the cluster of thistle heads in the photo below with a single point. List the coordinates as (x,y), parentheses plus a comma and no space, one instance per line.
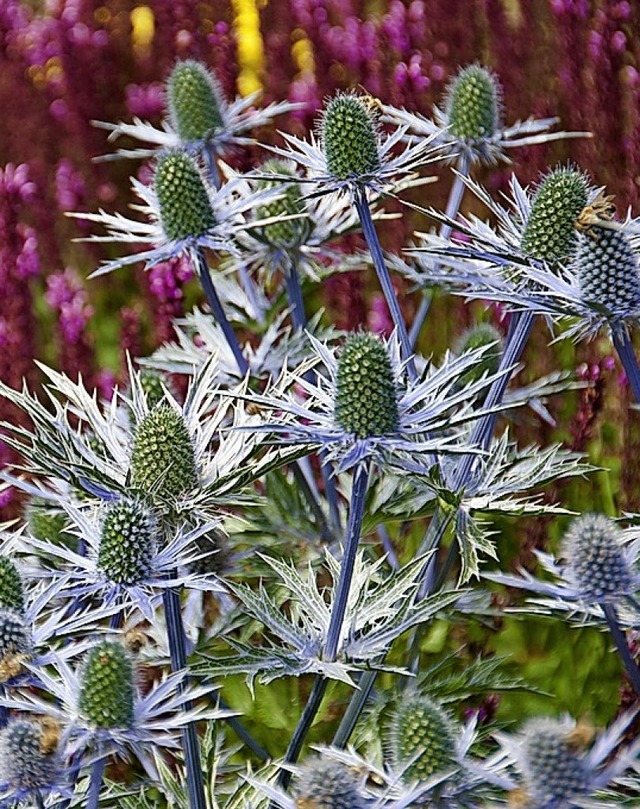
(271,499)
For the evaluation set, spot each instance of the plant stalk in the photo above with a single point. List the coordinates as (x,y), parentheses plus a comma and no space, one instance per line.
(624,348)
(620,640)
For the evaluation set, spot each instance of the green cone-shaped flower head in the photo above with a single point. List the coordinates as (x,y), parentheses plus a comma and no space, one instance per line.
(550,232)
(483,334)
(185,207)
(152,383)
(27,761)
(594,552)
(15,643)
(422,739)
(291,232)
(11,589)
(106,687)
(366,401)
(608,270)
(194,101)
(163,461)
(552,769)
(125,549)
(349,137)
(473,104)
(326,784)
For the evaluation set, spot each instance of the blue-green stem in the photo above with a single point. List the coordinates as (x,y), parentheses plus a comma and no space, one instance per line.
(355,708)
(373,243)
(218,311)
(620,640)
(339,607)
(240,731)
(456,193)
(623,346)
(178,654)
(95,783)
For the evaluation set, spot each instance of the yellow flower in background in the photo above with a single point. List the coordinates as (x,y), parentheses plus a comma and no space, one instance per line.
(142,30)
(250,46)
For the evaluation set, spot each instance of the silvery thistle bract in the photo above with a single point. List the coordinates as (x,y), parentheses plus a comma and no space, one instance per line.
(350,154)
(598,567)
(562,766)
(199,116)
(379,609)
(215,464)
(102,710)
(471,123)
(184,215)
(412,417)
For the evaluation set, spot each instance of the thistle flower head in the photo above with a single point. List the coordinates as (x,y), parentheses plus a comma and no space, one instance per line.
(11,589)
(482,334)
(106,698)
(595,556)
(193,99)
(349,137)
(163,460)
(15,643)
(290,232)
(28,759)
(183,201)
(552,769)
(550,231)
(327,784)
(473,104)
(608,271)
(366,401)
(422,739)
(124,553)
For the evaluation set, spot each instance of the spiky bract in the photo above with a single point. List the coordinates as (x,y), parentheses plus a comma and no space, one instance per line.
(366,402)
(194,101)
(163,461)
(349,137)
(552,769)
(608,270)
(106,687)
(327,784)
(183,200)
(26,762)
(290,232)
(593,549)
(422,739)
(11,589)
(125,547)
(472,104)
(550,231)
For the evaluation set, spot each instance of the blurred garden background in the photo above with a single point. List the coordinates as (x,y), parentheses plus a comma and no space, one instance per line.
(67,63)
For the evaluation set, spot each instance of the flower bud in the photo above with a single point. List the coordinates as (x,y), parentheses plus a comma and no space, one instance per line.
(183,201)
(11,589)
(553,771)
(106,687)
(608,270)
(326,784)
(26,762)
(422,739)
(124,553)
(349,137)
(366,401)
(194,101)
(291,232)
(472,104)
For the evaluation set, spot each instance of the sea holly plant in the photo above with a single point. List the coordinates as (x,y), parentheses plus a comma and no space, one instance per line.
(238,582)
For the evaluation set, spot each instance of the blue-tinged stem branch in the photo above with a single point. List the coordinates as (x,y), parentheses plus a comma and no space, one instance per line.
(95,783)
(178,654)
(456,194)
(620,640)
(218,311)
(371,237)
(354,708)
(623,346)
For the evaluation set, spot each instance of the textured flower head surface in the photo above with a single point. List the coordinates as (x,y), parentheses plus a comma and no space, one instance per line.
(184,214)
(211,469)
(362,406)
(558,253)
(102,710)
(350,154)
(380,608)
(562,766)
(31,767)
(598,567)
(199,116)
(125,564)
(471,123)
(301,228)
